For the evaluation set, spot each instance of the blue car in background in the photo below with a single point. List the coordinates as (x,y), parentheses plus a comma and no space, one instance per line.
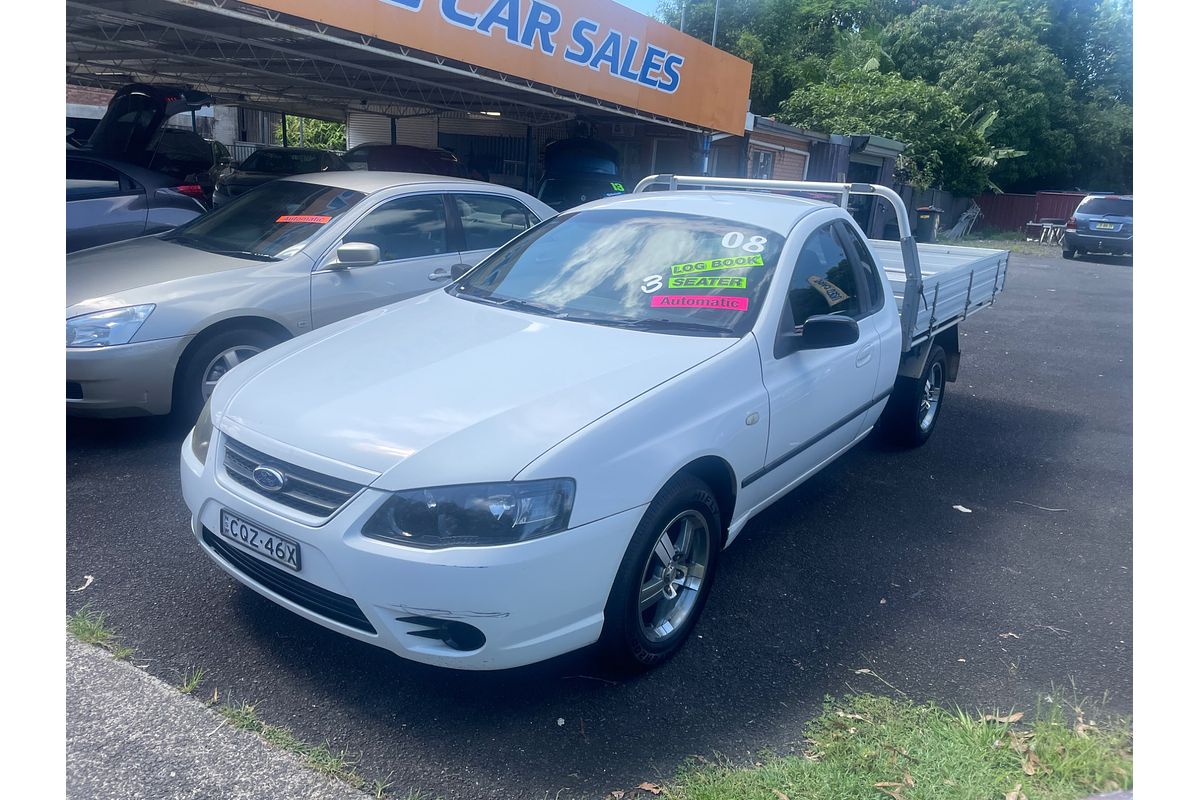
(1103,223)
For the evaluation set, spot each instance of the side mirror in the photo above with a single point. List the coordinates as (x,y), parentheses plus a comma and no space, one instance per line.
(822,331)
(458,270)
(356,254)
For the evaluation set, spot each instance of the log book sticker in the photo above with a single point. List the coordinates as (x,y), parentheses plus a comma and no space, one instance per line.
(832,294)
(713,264)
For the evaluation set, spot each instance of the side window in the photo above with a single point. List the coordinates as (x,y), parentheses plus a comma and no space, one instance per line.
(87,179)
(408,227)
(489,221)
(823,281)
(873,291)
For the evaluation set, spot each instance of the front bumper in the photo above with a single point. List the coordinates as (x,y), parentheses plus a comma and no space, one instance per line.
(1097,243)
(125,380)
(531,601)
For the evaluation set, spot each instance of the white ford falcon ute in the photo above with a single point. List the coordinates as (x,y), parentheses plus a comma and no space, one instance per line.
(553,451)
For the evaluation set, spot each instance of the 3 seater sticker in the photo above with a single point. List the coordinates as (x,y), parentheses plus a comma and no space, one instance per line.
(707,282)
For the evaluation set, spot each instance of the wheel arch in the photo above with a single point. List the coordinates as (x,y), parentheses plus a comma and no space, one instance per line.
(245,322)
(717,473)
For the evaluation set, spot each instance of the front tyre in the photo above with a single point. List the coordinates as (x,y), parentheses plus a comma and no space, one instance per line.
(913,409)
(665,577)
(208,362)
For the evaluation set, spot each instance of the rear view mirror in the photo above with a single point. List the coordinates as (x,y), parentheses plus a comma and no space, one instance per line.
(356,254)
(822,331)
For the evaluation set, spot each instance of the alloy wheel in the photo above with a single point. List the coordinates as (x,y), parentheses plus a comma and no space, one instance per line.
(673,575)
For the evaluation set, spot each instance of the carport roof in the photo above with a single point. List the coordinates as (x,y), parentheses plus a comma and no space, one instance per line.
(250,56)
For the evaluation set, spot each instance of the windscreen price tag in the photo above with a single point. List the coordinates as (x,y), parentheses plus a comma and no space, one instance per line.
(827,289)
(313,219)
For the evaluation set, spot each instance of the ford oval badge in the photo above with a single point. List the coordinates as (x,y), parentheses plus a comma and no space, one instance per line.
(268,479)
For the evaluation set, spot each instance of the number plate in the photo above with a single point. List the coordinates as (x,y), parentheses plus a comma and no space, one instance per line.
(270,544)
(1104,226)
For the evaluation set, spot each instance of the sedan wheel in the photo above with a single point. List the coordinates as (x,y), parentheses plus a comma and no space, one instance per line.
(207,360)
(222,363)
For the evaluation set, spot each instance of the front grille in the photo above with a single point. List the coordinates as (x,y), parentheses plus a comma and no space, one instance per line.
(304,490)
(323,602)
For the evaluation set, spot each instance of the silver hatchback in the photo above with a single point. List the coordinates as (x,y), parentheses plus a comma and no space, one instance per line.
(153,323)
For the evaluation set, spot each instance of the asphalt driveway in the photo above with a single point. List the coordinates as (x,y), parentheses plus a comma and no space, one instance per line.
(868,566)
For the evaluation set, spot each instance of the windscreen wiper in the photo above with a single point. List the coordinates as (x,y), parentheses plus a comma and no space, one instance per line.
(661,324)
(510,302)
(188,241)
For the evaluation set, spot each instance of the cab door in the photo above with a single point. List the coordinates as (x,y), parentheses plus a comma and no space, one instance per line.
(818,397)
(416,256)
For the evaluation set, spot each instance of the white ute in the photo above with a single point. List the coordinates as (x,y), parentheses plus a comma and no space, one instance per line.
(553,451)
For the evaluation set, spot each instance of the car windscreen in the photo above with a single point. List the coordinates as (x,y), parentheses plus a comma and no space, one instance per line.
(1106,206)
(277,162)
(269,222)
(648,270)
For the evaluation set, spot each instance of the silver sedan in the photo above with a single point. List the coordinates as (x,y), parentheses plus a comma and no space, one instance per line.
(153,323)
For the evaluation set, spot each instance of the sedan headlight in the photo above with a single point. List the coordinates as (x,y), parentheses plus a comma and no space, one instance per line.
(474,514)
(202,433)
(104,328)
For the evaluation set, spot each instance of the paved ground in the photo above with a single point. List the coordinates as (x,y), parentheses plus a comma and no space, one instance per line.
(131,736)
(867,566)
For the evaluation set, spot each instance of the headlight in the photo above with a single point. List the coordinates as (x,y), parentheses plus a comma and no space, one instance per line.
(116,326)
(202,433)
(474,514)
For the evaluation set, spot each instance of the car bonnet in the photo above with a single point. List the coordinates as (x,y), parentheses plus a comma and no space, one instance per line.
(440,390)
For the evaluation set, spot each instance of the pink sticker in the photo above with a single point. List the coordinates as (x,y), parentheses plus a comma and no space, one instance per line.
(699,301)
(315,219)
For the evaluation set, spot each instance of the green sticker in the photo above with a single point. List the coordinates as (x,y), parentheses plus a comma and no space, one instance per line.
(706,282)
(734,262)
(620,187)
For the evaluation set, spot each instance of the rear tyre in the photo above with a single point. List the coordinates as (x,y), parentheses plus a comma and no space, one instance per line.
(208,362)
(1068,253)
(665,578)
(913,409)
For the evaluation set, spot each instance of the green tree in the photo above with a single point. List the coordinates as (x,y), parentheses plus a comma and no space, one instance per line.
(1036,62)
(317,133)
(789,42)
(942,145)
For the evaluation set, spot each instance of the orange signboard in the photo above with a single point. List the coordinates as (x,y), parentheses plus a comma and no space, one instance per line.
(594,47)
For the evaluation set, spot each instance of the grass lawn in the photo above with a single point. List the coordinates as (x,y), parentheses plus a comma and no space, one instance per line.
(873,747)
(1008,240)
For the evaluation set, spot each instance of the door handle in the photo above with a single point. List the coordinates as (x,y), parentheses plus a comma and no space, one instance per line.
(440,274)
(864,356)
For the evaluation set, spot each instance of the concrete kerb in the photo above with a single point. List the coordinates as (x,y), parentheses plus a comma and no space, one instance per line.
(131,736)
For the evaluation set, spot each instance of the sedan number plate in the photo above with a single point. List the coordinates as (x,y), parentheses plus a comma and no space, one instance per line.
(1104,226)
(270,544)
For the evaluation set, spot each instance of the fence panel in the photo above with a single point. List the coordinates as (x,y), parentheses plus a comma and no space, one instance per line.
(1057,205)
(1006,212)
